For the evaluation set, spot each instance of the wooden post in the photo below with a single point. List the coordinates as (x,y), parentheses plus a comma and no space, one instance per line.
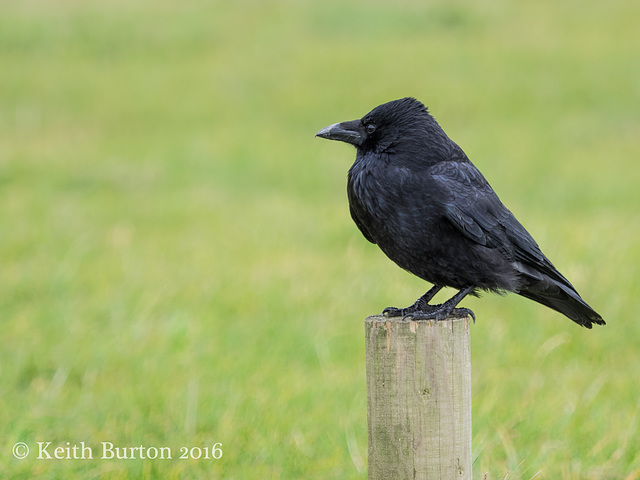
(418,398)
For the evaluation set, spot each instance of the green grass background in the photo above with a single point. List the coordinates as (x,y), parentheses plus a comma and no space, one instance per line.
(178,265)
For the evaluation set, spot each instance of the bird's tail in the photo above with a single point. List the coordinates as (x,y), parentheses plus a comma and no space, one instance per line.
(563,298)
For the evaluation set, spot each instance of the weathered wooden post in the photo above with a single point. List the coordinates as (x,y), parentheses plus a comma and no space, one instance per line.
(418,398)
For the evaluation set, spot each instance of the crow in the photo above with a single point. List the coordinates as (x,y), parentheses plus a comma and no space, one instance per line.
(415,193)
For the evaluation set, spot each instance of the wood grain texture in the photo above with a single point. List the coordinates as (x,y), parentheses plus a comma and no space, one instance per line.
(418,398)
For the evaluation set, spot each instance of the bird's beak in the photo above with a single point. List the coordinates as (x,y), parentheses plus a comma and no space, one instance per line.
(349,132)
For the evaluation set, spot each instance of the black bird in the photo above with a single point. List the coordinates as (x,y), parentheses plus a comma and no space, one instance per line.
(414,193)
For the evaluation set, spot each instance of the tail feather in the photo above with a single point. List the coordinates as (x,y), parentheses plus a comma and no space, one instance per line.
(562,298)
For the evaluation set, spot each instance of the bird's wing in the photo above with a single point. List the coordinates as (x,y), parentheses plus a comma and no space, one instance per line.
(474,209)
(470,203)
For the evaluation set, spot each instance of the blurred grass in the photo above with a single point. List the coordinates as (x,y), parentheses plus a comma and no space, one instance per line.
(179,266)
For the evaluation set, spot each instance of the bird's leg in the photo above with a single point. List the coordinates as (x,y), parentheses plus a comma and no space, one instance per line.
(420,305)
(442,311)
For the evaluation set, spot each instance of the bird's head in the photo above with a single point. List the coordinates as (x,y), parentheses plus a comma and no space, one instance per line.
(405,121)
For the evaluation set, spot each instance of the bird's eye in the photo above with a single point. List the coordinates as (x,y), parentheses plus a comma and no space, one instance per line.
(370,127)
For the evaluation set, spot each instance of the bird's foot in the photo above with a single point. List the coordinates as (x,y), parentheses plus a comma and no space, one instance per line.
(420,305)
(441,312)
(405,312)
(421,310)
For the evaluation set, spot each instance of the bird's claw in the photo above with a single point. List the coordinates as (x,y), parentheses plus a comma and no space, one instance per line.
(394,312)
(441,314)
(463,312)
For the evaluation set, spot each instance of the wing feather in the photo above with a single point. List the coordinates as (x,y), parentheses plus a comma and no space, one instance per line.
(476,211)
